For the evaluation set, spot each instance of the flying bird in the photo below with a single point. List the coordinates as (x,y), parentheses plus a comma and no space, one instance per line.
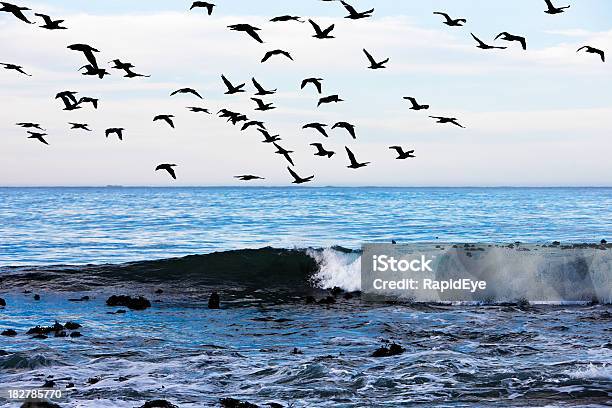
(249,29)
(261,106)
(117,131)
(17,11)
(127,67)
(282,151)
(260,89)
(197,109)
(88,52)
(354,14)
(168,168)
(30,125)
(321,151)
(484,46)
(298,179)
(402,155)
(165,118)
(231,89)
(14,67)
(415,105)
(248,177)
(442,119)
(281,19)
(317,126)
(69,100)
(82,126)
(268,137)
(458,22)
(329,99)
(50,24)
(592,50)
(250,123)
(270,54)
(87,99)
(38,136)
(90,70)
(345,125)
(510,37)
(320,33)
(186,91)
(554,10)
(315,81)
(373,63)
(354,163)
(203,4)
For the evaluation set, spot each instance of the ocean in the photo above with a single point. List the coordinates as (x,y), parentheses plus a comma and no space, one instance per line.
(292,328)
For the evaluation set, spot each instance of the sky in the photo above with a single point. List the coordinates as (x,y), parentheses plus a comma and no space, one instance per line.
(541,117)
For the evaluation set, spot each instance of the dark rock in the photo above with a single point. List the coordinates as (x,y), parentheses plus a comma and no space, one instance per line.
(392,350)
(2,302)
(40,337)
(93,380)
(297,351)
(82,299)
(603,242)
(75,334)
(39,404)
(234,403)
(9,333)
(70,385)
(556,243)
(159,291)
(327,301)
(61,334)
(214,301)
(36,297)
(4,353)
(72,326)
(49,384)
(158,404)
(310,300)
(139,303)
(337,291)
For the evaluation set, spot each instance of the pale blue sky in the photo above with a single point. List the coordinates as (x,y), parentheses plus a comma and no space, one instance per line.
(541,117)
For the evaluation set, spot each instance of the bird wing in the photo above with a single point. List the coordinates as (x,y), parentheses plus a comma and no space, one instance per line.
(348,7)
(523,42)
(397,148)
(171,171)
(287,54)
(549,4)
(501,34)
(293,174)
(318,85)
(227,83)
(316,27)
(350,155)
(259,102)
(169,121)
(45,17)
(254,35)
(258,86)
(175,92)
(478,40)
(329,30)
(446,16)
(193,91)
(372,60)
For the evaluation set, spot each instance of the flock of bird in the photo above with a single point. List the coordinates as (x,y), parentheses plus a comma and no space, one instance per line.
(93,68)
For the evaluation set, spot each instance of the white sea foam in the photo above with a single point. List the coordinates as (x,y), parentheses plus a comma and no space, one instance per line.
(337,269)
(593,372)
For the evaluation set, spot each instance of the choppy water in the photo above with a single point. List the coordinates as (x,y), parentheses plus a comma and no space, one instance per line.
(179,350)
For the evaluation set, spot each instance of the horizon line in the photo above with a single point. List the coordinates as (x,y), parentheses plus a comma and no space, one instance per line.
(110,186)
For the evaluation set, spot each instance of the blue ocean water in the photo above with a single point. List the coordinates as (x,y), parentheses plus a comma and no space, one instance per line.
(113,225)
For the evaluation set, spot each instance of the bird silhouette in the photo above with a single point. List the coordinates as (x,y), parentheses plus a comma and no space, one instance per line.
(321,151)
(127,67)
(38,136)
(592,50)
(554,10)
(203,4)
(30,125)
(315,81)
(238,118)
(415,104)
(373,63)
(484,46)
(345,125)
(284,152)
(261,106)
(402,155)
(231,89)
(15,10)
(260,89)
(272,53)
(458,22)
(197,109)
(281,19)
(90,70)
(510,37)
(117,131)
(250,123)
(82,126)
(248,177)
(317,126)
(297,179)
(50,24)
(186,91)
(354,14)
(14,67)
(249,29)
(329,99)
(168,168)
(442,119)
(268,138)
(320,33)
(87,99)
(354,163)
(165,118)
(88,52)
(69,100)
